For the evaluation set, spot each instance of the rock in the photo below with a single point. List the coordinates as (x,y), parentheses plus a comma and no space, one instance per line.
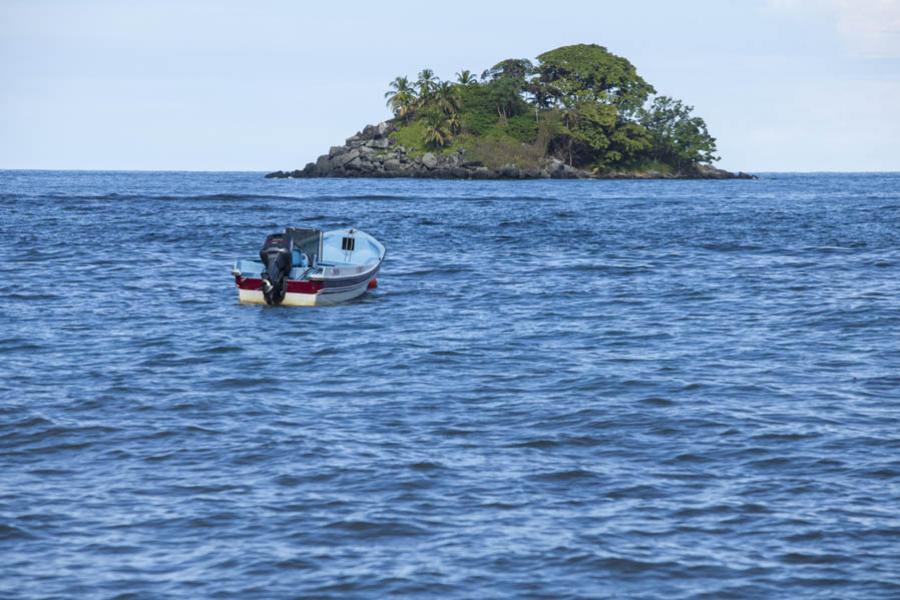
(383,129)
(371,153)
(453,160)
(323,164)
(568,172)
(372,132)
(429,160)
(509,172)
(342,159)
(711,172)
(554,165)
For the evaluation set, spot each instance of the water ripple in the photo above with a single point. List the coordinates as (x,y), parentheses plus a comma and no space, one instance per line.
(558,390)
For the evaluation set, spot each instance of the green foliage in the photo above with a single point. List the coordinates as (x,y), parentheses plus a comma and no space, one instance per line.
(586,128)
(412,137)
(505,96)
(627,144)
(589,122)
(479,115)
(677,137)
(465,77)
(652,165)
(580,103)
(516,69)
(401,97)
(439,125)
(589,70)
(522,127)
(505,82)
(425,84)
(496,151)
(437,135)
(446,98)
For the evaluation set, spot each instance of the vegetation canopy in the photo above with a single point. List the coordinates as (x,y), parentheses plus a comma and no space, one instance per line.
(581,104)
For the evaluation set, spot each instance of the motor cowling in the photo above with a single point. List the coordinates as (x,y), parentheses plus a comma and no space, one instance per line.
(276,256)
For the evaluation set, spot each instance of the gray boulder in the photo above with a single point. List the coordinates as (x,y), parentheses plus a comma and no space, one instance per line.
(509,172)
(344,158)
(323,165)
(429,160)
(554,165)
(382,129)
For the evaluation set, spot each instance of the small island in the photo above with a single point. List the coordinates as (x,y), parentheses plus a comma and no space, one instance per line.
(577,112)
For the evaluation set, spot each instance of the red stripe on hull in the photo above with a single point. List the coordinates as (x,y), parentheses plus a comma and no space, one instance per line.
(294,287)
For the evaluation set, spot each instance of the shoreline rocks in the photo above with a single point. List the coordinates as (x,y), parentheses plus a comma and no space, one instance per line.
(372,153)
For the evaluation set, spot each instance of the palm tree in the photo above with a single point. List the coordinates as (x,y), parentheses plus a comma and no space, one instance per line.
(436,134)
(426,83)
(401,97)
(454,123)
(465,77)
(446,97)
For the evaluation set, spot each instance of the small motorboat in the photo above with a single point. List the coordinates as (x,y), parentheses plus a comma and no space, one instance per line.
(309,267)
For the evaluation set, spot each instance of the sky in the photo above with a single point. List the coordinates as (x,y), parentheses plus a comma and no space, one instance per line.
(784,85)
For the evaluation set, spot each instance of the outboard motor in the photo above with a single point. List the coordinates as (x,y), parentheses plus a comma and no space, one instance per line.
(276,256)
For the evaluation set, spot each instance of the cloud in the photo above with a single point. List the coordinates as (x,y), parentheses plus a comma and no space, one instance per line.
(870,28)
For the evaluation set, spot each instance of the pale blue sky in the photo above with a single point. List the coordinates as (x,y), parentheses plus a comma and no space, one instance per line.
(785,85)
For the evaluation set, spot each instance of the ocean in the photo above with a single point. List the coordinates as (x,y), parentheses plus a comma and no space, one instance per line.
(560,389)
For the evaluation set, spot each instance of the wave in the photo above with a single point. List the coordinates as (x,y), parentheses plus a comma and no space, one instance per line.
(221,197)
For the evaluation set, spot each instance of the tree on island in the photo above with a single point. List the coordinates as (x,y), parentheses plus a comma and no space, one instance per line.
(401,97)
(465,77)
(580,103)
(677,137)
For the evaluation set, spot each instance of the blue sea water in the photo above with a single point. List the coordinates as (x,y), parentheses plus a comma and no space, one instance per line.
(560,389)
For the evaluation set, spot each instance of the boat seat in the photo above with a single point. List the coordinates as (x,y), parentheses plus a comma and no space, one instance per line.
(299,259)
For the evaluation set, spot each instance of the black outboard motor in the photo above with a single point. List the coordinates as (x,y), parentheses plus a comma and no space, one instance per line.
(276,256)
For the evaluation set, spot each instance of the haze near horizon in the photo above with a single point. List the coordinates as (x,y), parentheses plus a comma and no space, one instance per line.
(784,85)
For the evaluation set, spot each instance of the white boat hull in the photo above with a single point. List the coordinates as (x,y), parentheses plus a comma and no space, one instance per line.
(343,266)
(323,297)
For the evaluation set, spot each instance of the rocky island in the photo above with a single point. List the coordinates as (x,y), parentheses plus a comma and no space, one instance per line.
(577,112)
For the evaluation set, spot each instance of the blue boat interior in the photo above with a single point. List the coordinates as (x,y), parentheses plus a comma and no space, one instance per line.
(339,249)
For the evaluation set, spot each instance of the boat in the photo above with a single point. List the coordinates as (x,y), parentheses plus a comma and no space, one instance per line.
(310,267)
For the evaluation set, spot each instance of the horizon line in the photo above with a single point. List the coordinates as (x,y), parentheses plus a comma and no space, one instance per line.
(46,170)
